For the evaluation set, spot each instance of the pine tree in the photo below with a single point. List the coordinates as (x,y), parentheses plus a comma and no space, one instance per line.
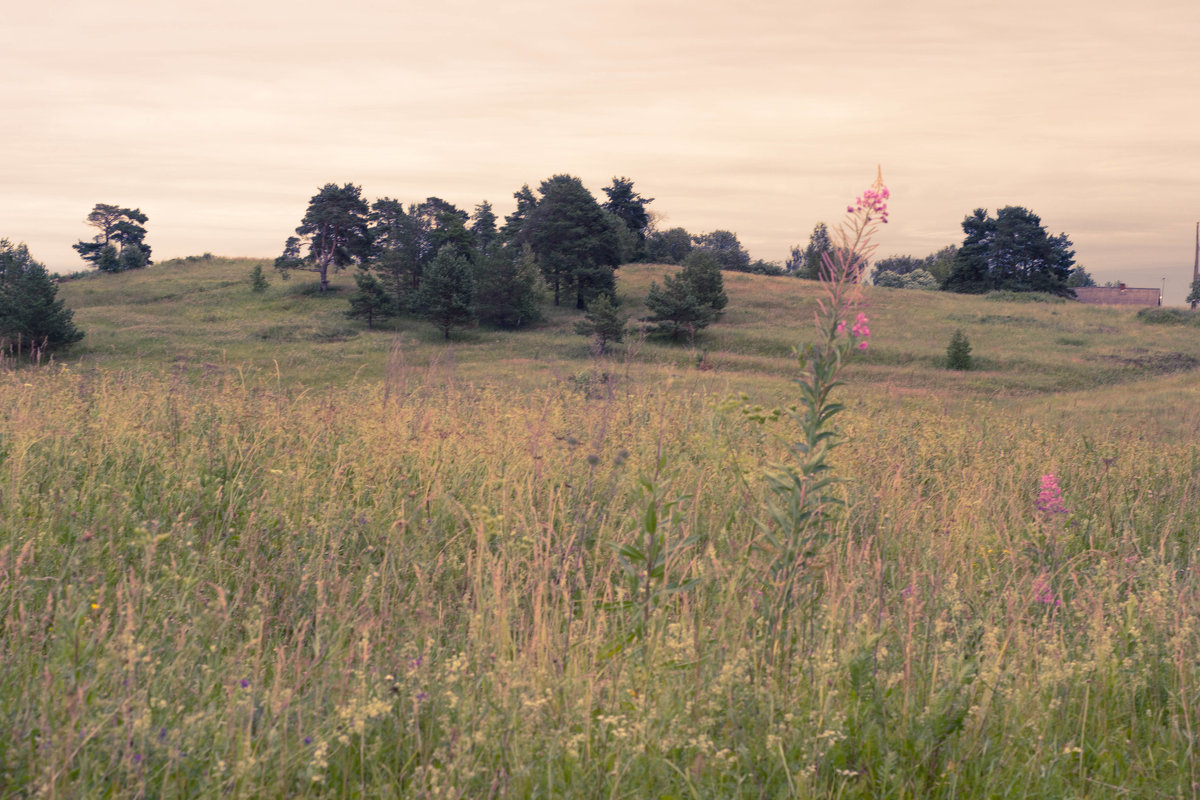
(119,243)
(575,244)
(333,231)
(32,318)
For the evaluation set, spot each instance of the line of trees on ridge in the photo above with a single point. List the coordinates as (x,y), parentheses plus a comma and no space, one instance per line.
(455,268)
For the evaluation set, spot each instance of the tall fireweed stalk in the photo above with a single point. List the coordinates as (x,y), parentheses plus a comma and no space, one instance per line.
(803,504)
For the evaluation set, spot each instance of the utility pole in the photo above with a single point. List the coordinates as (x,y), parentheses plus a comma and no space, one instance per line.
(1196,266)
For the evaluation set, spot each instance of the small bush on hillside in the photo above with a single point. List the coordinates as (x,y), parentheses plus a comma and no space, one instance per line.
(958,354)
(917,279)
(1168,316)
(258,281)
(603,321)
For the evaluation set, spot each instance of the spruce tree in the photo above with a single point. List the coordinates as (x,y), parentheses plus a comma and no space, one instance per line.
(370,300)
(603,321)
(32,318)
(447,293)
(509,291)
(702,272)
(674,308)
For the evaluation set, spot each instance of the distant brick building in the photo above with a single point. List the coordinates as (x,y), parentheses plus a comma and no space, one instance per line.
(1118,296)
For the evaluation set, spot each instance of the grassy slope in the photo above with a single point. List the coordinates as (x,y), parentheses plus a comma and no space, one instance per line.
(251,549)
(203,312)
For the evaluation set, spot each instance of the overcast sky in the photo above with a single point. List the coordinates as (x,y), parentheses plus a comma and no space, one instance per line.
(219,119)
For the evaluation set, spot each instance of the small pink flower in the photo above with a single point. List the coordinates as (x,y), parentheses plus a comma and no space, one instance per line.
(841,328)
(862,345)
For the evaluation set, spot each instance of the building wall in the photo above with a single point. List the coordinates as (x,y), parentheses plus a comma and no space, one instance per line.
(1113,296)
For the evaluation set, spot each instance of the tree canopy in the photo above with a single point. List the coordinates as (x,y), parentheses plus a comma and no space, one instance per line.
(630,208)
(32,318)
(668,247)
(119,243)
(725,248)
(1011,252)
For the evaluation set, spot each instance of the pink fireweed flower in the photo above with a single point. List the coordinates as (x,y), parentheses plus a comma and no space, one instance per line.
(1042,593)
(860,328)
(862,345)
(1050,500)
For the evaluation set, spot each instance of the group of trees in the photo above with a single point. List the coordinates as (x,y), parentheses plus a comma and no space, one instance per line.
(435,260)
(32,318)
(120,240)
(688,301)
(1011,251)
(907,272)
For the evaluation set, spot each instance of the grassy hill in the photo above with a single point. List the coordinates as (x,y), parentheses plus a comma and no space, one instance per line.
(201,311)
(249,548)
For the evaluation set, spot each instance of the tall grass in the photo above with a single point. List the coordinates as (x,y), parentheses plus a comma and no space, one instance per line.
(249,550)
(413,588)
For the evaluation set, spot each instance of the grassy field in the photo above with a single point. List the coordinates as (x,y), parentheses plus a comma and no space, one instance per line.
(249,548)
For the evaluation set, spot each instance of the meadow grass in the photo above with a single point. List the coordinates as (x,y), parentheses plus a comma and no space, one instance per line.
(245,555)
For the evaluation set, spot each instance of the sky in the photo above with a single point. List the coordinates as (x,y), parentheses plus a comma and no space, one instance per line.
(219,119)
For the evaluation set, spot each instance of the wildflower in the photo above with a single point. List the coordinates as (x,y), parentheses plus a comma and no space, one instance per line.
(1050,499)
(245,682)
(1042,593)
(860,328)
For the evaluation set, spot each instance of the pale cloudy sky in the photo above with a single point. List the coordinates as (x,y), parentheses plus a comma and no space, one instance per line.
(221,118)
